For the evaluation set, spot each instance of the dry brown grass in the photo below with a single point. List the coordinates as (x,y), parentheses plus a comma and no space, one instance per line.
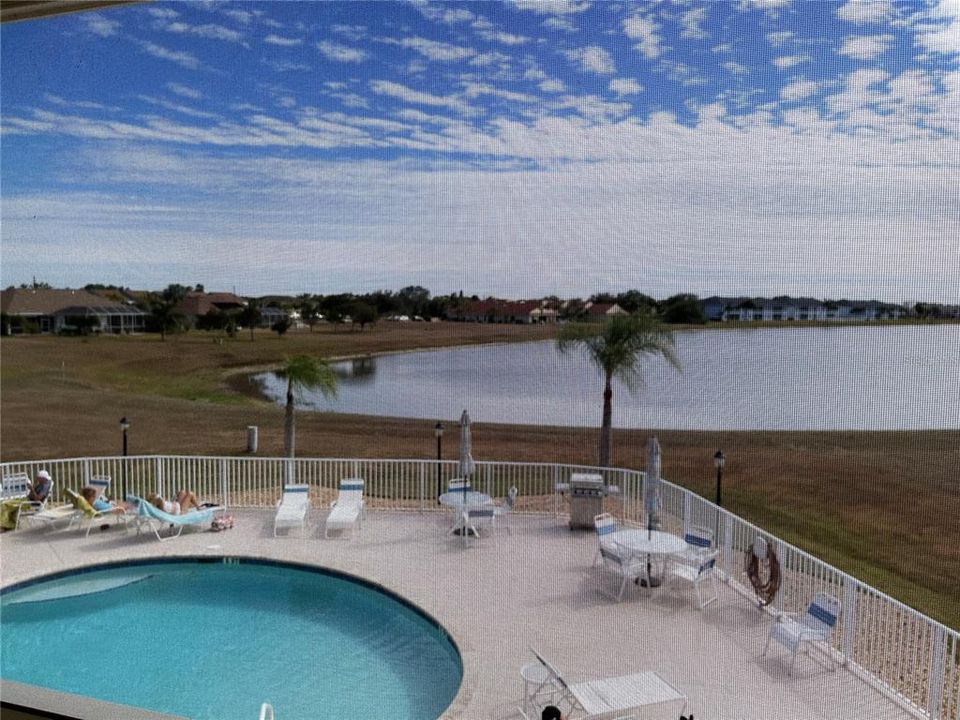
(881,505)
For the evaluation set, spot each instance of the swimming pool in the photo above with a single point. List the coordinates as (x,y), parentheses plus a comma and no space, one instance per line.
(212,640)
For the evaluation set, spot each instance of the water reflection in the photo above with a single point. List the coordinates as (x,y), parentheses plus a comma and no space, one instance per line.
(359,371)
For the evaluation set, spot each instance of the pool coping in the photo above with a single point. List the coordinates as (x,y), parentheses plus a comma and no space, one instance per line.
(31,696)
(57,704)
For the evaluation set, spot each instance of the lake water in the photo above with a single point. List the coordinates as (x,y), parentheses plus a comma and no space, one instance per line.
(867,378)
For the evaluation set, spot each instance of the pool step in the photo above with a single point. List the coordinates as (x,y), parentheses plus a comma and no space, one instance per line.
(76,587)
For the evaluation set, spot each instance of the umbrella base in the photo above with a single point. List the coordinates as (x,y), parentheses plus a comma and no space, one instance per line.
(653,582)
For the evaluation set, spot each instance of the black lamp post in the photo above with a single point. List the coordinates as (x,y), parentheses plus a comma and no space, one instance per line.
(438,432)
(124,426)
(718,462)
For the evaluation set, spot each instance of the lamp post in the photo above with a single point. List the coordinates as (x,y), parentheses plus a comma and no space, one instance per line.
(438,432)
(124,426)
(718,462)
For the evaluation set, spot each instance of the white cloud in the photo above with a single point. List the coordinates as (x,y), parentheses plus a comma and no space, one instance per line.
(563,24)
(788,61)
(762,4)
(184,59)
(341,53)
(736,68)
(351,32)
(101,26)
(798,90)
(241,16)
(865,11)
(402,92)
(163,13)
(209,31)
(434,50)
(555,7)
(625,86)
(592,59)
(475,89)
(938,29)
(184,91)
(272,39)
(490,58)
(644,30)
(777,39)
(552,86)
(504,38)
(692,21)
(866,47)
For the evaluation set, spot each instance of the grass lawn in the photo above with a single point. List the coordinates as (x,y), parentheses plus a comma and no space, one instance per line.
(880,505)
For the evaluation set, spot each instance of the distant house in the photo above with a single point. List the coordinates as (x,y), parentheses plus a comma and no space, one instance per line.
(600,311)
(724,309)
(493,310)
(197,304)
(271,315)
(55,310)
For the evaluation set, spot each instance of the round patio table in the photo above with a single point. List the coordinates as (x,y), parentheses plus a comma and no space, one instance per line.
(649,543)
(461,501)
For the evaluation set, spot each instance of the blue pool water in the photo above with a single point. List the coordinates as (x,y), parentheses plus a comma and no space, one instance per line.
(211,641)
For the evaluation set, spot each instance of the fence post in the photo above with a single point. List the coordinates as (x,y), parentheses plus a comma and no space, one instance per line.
(937,668)
(159,475)
(223,482)
(86,471)
(423,489)
(686,511)
(727,559)
(849,617)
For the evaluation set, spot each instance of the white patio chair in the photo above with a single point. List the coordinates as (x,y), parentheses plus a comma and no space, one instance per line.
(699,545)
(501,512)
(814,627)
(460,484)
(348,509)
(292,508)
(622,563)
(605,525)
(474,518)
(698,573)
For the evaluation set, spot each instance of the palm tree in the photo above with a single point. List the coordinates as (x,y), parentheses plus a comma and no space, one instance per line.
(304,372)
(617,348)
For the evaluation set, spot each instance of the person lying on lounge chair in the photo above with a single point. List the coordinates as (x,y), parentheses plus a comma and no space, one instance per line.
(185,502)
(91,495)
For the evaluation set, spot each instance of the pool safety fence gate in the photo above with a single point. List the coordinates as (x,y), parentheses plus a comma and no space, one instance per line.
(904,653)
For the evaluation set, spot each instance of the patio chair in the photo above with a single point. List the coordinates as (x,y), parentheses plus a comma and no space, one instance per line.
(615,697)
(509,502)
(621,562)
(460,484)
(152,516)
(699,544)
(348,508)
(86,514)
(814,627)
(292,508)
(605,525)
(473,518)
(698,573)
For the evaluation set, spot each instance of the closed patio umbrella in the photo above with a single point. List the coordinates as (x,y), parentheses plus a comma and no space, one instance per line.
(651,488)
(467,466)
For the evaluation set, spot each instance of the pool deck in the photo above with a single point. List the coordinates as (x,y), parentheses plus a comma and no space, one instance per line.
(529,582)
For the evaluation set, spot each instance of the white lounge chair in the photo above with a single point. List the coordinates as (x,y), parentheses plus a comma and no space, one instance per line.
(29,509)
(86,514)
(815,626)
(697,573)
(605,525)
(50,516)
(348,509)
(155,518)
(613,697)
(622,563)
(292,508)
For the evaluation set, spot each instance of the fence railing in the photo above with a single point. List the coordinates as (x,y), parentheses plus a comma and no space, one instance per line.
(897,649)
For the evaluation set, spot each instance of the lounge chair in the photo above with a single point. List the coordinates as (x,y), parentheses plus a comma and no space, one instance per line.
(50,516)
(155,518)
(348,508)
(814,627)
(292,508)
(28,509)
(614,697)
(697,573)
(86,514)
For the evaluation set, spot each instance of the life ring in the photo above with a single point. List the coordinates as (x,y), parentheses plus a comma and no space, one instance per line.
(769,565)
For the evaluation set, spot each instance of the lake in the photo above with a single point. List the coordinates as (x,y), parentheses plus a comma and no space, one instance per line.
(866,378)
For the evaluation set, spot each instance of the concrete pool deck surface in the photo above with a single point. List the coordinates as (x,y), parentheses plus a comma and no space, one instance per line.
(529,582)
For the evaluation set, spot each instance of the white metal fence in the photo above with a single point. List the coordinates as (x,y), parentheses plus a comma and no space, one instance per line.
(896,648)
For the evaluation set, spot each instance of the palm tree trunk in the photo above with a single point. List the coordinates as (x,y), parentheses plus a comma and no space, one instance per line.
(606,437)
(289,428)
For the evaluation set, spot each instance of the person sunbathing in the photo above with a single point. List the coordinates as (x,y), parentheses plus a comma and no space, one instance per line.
(186,502)
(101,504)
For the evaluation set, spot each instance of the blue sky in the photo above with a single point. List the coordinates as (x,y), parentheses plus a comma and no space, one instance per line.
(519,148)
